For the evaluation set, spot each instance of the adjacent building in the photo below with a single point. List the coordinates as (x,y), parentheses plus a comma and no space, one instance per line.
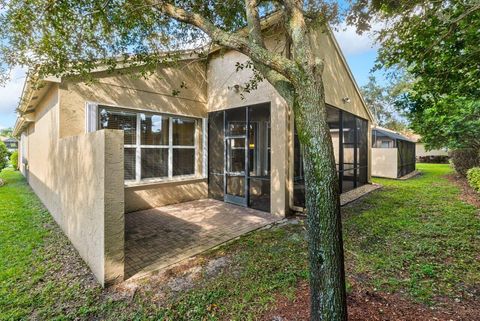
(393,154)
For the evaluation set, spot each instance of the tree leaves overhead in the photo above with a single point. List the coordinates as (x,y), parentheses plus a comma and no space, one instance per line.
(75,36)
(437,43)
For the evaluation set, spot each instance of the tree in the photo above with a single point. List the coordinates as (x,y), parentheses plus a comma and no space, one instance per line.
(437,44)
(3,155)
(381,101)
(14,159)
(74,36)
(6,132)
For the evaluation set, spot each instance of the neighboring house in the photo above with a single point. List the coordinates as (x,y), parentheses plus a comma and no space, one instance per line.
(393,155)
(205,142)
(11,143)
(428,156)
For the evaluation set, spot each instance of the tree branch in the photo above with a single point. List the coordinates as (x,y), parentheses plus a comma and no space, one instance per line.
(253,21)
(230,40)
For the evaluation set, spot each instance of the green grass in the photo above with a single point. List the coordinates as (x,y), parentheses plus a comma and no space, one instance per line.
(21,236)
(414,237)
(30,258)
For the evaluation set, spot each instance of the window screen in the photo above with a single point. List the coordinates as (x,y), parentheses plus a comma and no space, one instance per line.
(156,146)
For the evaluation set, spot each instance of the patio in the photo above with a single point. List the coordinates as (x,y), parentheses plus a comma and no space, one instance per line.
(159,237)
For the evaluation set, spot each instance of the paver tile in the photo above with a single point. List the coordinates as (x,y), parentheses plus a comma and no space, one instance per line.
(159,237)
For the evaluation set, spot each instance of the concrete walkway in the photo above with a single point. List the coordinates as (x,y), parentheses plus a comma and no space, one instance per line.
(159,237)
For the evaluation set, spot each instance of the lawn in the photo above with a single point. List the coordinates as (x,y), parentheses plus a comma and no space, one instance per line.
(415,239)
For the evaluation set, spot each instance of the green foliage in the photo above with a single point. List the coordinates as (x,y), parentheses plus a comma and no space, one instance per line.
(380,99)
(3,155)
(6,132)
(464,159)
(473,177)
(14,159)
(436,42)
(450,122)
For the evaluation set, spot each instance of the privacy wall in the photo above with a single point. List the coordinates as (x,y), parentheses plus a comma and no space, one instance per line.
(80,181)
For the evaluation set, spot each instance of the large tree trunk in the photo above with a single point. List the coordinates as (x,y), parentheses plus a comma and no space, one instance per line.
(327,276)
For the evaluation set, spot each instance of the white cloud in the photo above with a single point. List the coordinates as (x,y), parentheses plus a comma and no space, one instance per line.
(11,92)
(352,43)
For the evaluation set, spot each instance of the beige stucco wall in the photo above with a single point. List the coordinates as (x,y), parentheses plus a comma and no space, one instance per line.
(153,93)
(141,197)
(384,162)
(420,151)
(80,182)
(337,81)
(222,77)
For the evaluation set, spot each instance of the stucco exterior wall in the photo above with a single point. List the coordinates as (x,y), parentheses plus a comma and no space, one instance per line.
(337,81)
(155,94)
(142,197)
(420,151)
(222,77)
(152,93)
(80,181)
(385,162)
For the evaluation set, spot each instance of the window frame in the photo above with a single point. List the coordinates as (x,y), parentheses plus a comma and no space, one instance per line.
(92,118)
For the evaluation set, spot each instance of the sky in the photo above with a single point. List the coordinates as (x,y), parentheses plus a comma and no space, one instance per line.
(359,51)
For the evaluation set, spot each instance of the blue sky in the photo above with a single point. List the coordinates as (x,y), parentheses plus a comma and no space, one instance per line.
(358,50)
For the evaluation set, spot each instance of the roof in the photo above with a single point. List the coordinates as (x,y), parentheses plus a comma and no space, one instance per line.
(392,134)
(10,140)
(35,88)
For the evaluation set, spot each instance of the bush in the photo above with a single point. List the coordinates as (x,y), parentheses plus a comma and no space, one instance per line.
(464,159)
(14,159)
(473,177)
(3,155)
(433,159)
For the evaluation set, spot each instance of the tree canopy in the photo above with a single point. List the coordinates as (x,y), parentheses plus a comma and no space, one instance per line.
(381,101)
(437,43)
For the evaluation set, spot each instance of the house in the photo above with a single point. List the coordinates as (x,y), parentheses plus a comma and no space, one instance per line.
(393,155)
(93,152)
(11,143)
(428,156)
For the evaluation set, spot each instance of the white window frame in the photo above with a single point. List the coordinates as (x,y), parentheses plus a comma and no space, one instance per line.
(92,125)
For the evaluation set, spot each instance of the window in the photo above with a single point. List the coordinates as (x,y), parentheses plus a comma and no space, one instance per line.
(385,144)
(156,146)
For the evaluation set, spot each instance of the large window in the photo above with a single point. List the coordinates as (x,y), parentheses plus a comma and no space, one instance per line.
(156,146)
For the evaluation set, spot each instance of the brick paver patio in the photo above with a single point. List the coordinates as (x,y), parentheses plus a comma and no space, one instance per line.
(159,237)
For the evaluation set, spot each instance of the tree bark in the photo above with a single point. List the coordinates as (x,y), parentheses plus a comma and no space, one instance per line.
(325,244)
(298,78)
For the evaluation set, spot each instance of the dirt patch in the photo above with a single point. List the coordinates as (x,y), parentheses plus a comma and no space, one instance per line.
(370,305)
(467,193)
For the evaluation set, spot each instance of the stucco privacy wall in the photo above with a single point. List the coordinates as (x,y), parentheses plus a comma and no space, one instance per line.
(385,162)
(155,94)
(80,181)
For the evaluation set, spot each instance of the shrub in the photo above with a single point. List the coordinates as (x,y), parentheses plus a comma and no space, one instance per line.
(14,159)
(473,177)
(3,155)
(464,159)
